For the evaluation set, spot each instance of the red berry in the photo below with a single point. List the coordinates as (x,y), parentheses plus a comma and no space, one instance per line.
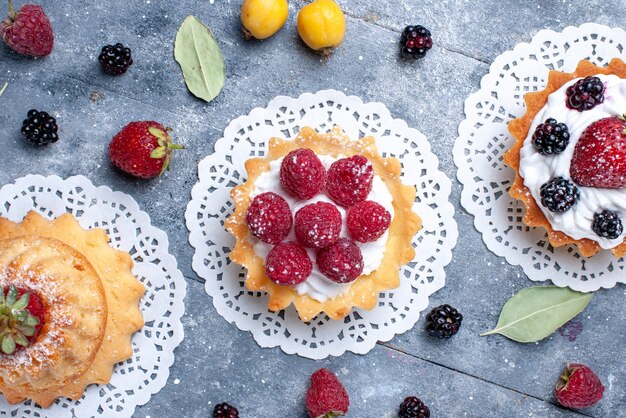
(302,174)
(326,396)
(15,317)
(368,221)
(28,31)
(269,218)
(142,149)
(288,264)
(342,262)
(599,158)
(349,180)
(318,225)
(578,387)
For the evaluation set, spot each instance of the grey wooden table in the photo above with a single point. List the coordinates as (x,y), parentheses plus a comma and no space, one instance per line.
(465,376)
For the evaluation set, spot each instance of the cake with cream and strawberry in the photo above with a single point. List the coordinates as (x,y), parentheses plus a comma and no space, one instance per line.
(570,158)
(323,222)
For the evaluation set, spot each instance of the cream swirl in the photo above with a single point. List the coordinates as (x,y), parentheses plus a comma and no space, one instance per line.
(537,169)
(317,285)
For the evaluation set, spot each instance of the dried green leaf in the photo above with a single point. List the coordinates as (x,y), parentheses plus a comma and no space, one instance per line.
(21,340)
(11,296)
(6,84)
(199,56)
(536,312)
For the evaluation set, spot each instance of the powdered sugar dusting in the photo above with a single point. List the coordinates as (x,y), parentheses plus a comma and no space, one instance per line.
(31,360)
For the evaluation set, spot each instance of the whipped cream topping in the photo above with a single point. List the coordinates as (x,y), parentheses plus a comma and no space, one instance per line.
(317,285)
(537,169)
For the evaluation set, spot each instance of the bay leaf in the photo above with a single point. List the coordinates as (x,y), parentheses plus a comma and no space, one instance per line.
(197,52)
(536,312)
(3,88)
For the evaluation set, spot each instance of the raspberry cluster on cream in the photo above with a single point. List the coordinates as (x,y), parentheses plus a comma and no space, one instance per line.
(319,222)
(574,159)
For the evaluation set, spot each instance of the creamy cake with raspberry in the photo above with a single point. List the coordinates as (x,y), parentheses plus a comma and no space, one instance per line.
(324,223)
(570,158)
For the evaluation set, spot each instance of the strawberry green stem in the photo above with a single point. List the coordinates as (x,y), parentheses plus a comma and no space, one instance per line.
(11,10)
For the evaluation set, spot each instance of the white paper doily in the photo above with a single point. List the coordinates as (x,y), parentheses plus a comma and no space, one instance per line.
(484,138)
(129,229)
(247,137)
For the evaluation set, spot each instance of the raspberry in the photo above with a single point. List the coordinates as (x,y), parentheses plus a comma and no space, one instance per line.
(413,407)
(288,264)
(269,218)
(559,195)
(578,387)
(302,174)
(224,410)
(326,396)
(28,31)
(416,41)
(115,59)
(349,180)
(318,225)
(443,321)
(607,224)
(585,94)
(368,221)
(342,262)
(551,137)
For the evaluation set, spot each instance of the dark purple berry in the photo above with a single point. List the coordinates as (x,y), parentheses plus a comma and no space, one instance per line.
(585,94)
(115,59)
(559,195)
(416,41)
(413,407)
(224,410)
(551,137)
(607,224)
(443,321)
(40,128)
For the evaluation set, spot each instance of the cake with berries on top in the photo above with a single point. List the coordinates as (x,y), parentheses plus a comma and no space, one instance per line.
(323,222)
(64,324)
(570,158)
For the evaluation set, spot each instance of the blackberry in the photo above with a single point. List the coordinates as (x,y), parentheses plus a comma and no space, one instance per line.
(607,224)
(415,41)
(40,128)
(115,59)
(559,195)
(413,407)
(585,94)
(443,321)
(551,137)
(224,410)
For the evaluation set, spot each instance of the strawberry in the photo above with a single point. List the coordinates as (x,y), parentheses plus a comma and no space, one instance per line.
(326,397)
(21,318)
(142,149)
(28,31)
(578,387)
(599,158)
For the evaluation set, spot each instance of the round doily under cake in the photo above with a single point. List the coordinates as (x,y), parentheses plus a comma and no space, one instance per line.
(129,229)
(247,137)
(484,138)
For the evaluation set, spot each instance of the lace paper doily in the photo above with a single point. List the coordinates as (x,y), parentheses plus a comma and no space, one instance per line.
(247,137)
(129,229)
(483,140)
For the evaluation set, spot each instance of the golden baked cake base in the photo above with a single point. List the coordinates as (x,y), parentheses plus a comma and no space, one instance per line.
(363,292)
(72,332)
(122,289)
(519,128)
